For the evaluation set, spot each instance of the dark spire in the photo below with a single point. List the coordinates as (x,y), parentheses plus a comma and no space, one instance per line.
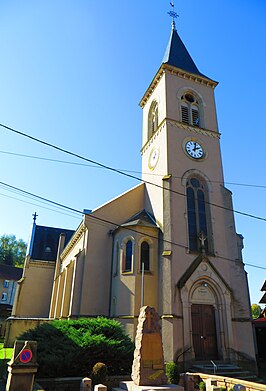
(177,55)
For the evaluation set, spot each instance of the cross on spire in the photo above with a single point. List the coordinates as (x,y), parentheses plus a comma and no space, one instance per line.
(34,217)
(172,13)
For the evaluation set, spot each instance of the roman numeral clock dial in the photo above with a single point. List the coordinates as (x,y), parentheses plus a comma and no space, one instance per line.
(194,149)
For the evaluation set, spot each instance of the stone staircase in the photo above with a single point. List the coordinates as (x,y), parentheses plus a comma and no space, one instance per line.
(223,369)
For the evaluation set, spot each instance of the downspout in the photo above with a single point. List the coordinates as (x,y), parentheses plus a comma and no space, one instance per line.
(111,276)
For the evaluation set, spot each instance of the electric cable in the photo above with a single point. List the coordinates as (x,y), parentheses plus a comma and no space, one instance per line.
(125,170)
(96,218)
(39,206)
(123,173)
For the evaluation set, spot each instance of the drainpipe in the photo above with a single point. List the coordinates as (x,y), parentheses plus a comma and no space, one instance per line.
(111,232)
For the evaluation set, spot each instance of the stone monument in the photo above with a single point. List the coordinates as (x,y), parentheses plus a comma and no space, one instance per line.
(148,365)
(148,369)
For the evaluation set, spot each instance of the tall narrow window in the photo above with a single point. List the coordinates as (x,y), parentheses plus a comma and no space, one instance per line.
(190,113)
(4,296)
(6,283)
(153,119)
(145,256)
(129,253)
(196,211)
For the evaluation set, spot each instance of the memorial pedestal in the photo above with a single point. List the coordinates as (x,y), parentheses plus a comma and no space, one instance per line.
(148,369)
(22,367)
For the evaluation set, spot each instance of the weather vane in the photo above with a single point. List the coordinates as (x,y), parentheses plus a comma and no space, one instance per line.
(172,13)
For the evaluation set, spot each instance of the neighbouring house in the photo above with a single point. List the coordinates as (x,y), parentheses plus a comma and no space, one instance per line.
(260,327)
(35,287)
(176,228)
(263,289)
(9,277)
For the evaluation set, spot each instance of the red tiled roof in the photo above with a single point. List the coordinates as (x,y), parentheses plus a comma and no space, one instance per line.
(259,320)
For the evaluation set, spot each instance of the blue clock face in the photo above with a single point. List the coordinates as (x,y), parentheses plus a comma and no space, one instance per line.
(194,149)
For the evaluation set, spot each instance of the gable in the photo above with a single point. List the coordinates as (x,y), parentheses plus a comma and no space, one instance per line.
(199,268)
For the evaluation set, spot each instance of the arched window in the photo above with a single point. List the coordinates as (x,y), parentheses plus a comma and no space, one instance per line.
(128,256)
(153,119)
(145,256)
(190,113)
(196,211)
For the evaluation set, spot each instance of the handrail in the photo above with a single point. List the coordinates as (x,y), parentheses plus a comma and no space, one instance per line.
(214,367)
(183,352)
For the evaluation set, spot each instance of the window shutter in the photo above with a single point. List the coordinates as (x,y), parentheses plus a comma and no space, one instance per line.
(195,117)
(185,114)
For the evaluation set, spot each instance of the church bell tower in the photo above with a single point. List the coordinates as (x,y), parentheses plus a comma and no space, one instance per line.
(203,294)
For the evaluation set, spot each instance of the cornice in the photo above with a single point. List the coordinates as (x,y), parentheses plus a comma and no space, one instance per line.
(193,129)
(75,238)
(189,76)
(151,87)
(169,69)
(154,136)
(179,125)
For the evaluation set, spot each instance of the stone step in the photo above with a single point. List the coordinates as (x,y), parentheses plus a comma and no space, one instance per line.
(219,367)
(130,386)
(223,369)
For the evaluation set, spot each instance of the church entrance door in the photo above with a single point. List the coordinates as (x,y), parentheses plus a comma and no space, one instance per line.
(204,332)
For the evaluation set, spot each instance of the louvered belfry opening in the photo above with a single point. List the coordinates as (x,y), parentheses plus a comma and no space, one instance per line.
(190,110)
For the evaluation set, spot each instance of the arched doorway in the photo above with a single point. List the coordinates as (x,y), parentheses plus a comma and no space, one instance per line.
(203,322)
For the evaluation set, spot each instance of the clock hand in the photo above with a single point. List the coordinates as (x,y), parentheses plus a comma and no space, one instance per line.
(195,147)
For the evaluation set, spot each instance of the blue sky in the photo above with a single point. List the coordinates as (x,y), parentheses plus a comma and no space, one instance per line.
(72,74)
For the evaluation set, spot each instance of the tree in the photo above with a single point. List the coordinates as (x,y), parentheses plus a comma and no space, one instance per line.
(12,251)
(256,310)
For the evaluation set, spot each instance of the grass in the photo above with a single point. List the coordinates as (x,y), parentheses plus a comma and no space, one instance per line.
(5,356)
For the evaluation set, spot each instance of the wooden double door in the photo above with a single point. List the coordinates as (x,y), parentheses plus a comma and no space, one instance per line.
(204,332)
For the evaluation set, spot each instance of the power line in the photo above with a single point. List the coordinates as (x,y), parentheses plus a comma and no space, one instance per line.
(258,267)
(125,170)
(124,173)
(102,220)
(39,206)
(26,196)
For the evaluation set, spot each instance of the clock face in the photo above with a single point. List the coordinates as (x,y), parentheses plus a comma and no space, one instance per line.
(194,149)
(153,158)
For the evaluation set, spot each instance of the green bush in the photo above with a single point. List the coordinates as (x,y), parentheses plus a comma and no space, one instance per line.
(99,373)
(222,388)
(202,386)
(172,372)
(72,347)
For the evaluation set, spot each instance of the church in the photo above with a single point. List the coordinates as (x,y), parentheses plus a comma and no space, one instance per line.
(170,242)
